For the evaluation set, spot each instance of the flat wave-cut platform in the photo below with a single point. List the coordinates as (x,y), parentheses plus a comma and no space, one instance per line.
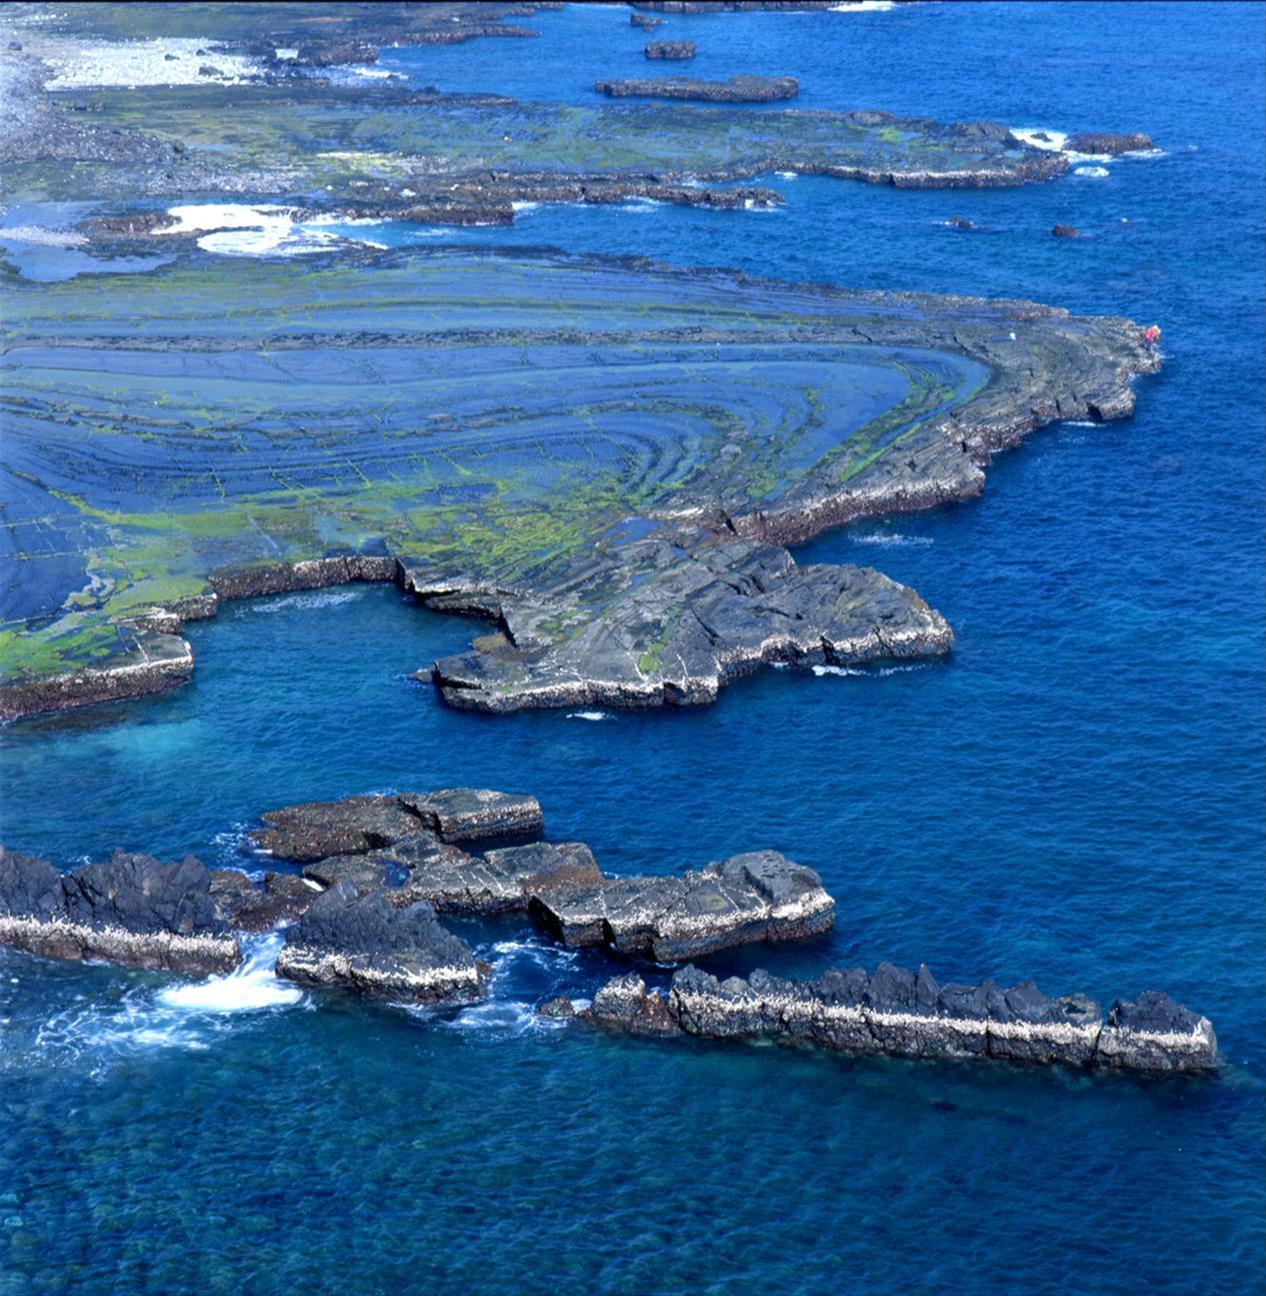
(601,459)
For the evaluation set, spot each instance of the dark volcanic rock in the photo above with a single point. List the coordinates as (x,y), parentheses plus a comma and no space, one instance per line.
(30,887)
(559,1009)
(1066,231)
(705,612)
(1099,142)
(624,1004)
(738,89)
(321,829)
(905,1014)
(670,50)
(760,896)
(131,910)
(244,905)
(364,943)
(476,814)
(960,223)
(497,881)
(1153,1033)
(645,21)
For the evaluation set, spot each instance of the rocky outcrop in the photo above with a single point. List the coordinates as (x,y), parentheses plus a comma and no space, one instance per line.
(645,21)
(319,830)
(905,1014)
(363,943)
(497,881)
(146,663)
(738,89)
(761,896)
(1112,145)
(624,1004)
(1066,231)
(675,50)
(130,909)
(1153,1033)
(701,612)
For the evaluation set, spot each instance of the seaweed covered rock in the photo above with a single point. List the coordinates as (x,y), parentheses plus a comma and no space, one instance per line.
(760,896)
(130,909)
(363,943)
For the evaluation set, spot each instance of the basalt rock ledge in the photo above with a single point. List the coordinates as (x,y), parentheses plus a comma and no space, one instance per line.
(905,1014)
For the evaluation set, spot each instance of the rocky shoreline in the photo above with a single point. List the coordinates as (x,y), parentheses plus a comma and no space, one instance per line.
(362,916)
(676,597)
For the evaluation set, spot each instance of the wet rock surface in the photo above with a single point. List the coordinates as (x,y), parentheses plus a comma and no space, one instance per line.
(906,1014)
(737,89)
(131,909)
(760,896)
(363,943)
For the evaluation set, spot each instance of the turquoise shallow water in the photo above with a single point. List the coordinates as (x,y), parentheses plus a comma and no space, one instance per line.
(1077,795)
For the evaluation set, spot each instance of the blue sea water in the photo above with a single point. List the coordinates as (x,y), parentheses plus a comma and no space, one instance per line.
(1076,795)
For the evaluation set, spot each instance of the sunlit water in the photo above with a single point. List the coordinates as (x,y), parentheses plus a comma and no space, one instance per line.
(1077,795)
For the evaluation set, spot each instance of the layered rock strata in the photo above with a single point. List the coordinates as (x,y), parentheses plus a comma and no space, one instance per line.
(905,1014)
(131,910)
(378,844)
(760,896)
(317,830)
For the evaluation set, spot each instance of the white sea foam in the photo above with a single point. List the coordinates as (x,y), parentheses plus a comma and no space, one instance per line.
(247,988)
(589,715)
(240,229)
(895,540)
(297,602)
(1097,172)
(188,1015)
(1147,155)
(838,670)
(521,208)
(787,175)
(1053,143)
(865,6)
(39,237)
(82,64)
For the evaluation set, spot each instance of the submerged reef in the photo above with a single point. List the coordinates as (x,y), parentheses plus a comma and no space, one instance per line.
(377,870)
(602,458)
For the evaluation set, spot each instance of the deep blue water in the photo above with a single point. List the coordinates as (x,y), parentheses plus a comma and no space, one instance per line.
(1077,795)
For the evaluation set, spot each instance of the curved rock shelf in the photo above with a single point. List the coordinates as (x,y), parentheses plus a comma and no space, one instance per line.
(603,459)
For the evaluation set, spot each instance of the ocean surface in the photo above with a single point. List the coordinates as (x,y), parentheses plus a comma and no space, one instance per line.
(1077,795)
